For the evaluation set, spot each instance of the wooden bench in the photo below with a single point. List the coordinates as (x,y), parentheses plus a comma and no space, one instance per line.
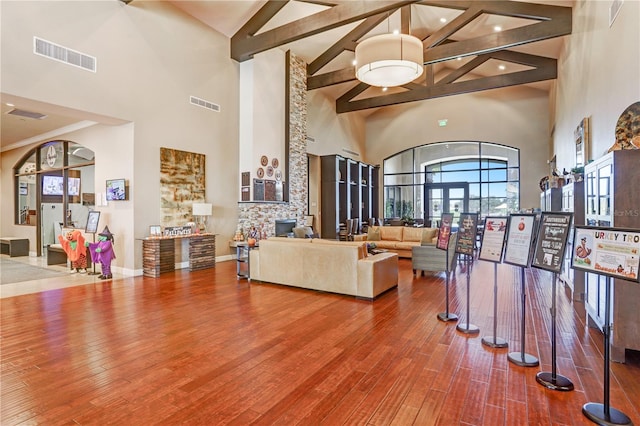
(56,255)
(14,246)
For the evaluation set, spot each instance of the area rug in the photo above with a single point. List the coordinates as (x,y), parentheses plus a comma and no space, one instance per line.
(15,272)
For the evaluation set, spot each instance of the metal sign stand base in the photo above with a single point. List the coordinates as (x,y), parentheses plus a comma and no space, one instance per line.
(521,358)
(467,328)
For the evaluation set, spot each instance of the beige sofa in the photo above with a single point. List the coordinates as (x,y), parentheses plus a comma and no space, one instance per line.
(325,265)
(399,239)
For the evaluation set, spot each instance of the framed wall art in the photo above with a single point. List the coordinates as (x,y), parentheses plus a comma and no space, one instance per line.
(581,136)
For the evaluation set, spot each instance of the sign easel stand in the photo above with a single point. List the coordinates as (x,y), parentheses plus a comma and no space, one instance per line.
(446,316)
(603,414)
(493,341)
(468,328)
(93,239)
(521,358)
(552,380)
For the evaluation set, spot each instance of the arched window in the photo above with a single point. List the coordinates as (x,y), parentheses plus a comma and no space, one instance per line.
(423,182)
(56,173)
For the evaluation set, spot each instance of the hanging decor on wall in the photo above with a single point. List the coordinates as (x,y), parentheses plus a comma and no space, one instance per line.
(182,183)
(628,129)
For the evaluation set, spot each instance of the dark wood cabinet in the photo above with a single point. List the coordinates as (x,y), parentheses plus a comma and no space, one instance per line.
(573,201)
(349,190)
(612,199)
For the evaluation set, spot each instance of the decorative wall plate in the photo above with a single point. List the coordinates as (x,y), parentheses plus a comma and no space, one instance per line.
(264,160)
(269,171)
(275,163)
(278,174)
(260,172)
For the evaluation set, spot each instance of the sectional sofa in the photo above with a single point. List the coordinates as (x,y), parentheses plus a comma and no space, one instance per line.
(326,265)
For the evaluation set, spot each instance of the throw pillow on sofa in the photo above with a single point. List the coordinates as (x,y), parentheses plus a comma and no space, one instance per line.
(373,233)
(302,232)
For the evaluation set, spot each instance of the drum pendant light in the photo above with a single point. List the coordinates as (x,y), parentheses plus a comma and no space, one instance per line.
(389,60)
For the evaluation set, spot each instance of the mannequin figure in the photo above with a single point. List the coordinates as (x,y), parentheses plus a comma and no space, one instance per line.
(102,252)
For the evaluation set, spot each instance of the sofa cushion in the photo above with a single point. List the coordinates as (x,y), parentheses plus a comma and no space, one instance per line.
(391,233)
(412,234)
(429,235)
(373,234)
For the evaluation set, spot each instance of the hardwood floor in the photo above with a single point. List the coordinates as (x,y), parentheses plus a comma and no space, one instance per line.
(203,348)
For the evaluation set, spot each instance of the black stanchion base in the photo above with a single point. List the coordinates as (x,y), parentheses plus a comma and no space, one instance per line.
(468,328)
(523,360)
(560,383)
(595,412)
(443,316)
(94,273)
(494,342)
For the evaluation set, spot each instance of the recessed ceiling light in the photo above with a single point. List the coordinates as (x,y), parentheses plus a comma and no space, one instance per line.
(396,32)
(9,104)
(497,28)
(502,67)
(443,20)
(459,58)
(384,89)
(354,62)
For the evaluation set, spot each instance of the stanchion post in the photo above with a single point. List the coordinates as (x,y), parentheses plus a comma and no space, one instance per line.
(493,341)
(603,414)
(553,380)
(521,358)
(446,316)
(467,327)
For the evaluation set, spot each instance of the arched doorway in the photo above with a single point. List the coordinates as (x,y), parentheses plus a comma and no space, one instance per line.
(54,187)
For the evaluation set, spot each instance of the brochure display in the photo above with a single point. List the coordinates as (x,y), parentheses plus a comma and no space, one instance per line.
(612,252)
(442,243)
(550,247)
(465,244)
(495,229)
(518,251)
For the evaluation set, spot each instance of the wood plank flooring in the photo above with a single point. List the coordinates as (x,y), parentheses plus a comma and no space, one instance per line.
(203,348)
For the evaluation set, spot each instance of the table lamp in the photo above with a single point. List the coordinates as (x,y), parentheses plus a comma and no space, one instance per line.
(200,212)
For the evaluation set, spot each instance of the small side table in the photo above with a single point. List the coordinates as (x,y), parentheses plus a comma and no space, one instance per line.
(243,265)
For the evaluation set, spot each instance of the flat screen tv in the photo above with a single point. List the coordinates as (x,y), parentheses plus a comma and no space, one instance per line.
(52,185)
(116,190)
(73,186)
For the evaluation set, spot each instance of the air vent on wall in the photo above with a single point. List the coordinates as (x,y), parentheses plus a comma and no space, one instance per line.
(351,152)
(63,54)
(27,114)
(204,104)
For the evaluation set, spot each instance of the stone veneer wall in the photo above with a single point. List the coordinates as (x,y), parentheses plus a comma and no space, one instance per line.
(263,215)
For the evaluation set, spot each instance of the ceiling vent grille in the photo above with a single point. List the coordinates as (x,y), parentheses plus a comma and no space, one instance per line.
(26,114)
(204,104)
(63,54)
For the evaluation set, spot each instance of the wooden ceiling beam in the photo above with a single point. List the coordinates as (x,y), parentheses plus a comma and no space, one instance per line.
(345,43)
(547,71)
(264,15)
(243,46)
(330,78)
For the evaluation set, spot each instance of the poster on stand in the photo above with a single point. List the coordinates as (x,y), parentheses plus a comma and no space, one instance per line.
(493,233)
(552,241)
(467,229)
(444,233)
(607,251)
(520,237)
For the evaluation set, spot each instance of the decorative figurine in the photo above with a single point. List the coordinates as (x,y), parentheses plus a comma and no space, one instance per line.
(102,252)
(73,246)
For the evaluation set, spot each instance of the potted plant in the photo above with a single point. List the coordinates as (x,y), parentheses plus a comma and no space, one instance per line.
(577,173)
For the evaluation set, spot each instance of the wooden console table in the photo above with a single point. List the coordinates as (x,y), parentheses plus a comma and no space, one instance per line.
(158,254)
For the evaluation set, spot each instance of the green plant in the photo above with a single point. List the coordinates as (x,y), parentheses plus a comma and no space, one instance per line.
(577,170)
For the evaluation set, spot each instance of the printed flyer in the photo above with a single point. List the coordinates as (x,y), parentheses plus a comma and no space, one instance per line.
(466,242)
(519,239)
(552,240)
(607,251)
(495,228)
(445,231)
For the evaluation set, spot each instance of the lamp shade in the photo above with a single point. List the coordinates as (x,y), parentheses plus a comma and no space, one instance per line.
(389,60)
(202,209)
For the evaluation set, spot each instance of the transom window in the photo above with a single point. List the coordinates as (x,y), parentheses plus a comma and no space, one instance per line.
(423,182)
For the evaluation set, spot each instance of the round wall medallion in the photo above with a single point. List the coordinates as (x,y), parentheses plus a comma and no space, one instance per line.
(275,163)
(264,160)
(260,172)
(52,156)
(278,174)
(269,171)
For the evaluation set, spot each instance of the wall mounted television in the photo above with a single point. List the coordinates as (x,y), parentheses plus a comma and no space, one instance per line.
(117,190)
(53,185)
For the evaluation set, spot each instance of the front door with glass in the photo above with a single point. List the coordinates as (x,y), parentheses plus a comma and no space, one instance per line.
(445,198)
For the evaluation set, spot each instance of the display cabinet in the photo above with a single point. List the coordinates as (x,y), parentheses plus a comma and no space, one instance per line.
(349,190)
(573,201)
(612,199)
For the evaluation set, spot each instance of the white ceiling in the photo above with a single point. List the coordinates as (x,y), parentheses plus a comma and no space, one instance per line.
(228,16)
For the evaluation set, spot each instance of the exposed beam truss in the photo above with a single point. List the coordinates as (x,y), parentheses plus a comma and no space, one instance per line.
(547,22)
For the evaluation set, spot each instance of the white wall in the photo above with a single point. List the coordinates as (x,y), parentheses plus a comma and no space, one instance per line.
(598,76)
(150,58)
(516,117)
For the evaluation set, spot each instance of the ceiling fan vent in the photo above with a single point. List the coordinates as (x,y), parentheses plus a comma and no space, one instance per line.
(26,114)
(204,104)
(63,54)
